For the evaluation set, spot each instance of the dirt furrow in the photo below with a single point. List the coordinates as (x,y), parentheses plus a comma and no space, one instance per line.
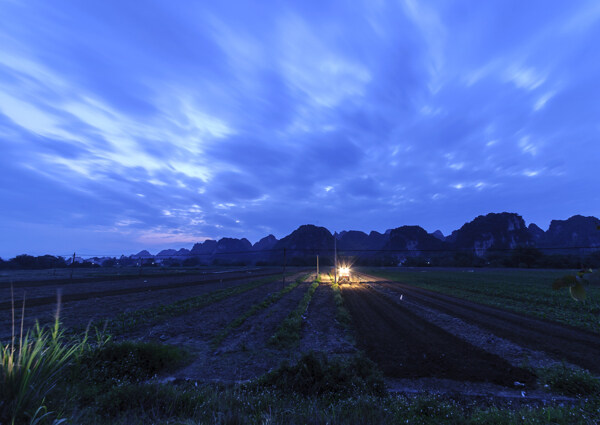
(320,331)
(244,354)
(78,314)
(38,296)
(563,342)
(407,346)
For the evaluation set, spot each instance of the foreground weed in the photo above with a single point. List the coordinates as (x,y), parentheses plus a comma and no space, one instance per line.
(31,368)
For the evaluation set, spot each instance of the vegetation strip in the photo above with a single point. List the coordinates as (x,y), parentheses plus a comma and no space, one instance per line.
(342,315)
(126,322)
(271,299)
(522,291)
(288,334)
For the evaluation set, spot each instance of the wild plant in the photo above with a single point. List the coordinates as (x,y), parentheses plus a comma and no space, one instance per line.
(31,367)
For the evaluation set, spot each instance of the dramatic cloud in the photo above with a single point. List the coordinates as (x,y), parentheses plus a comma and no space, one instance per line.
(126,125)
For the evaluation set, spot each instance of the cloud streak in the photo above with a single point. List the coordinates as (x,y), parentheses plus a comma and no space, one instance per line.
(159,126)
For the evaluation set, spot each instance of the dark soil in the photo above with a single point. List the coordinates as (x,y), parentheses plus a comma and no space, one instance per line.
(406,346)
(561,341)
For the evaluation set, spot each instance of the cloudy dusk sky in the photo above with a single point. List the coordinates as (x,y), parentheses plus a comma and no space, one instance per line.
(149,125)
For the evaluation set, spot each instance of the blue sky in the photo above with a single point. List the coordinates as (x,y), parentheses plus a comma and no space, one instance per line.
(127,125)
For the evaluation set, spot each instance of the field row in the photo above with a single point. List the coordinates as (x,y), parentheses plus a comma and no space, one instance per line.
(521,291)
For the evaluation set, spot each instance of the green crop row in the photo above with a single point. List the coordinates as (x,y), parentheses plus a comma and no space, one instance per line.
(131,320)
(288,333)
(342,314)
(271,299)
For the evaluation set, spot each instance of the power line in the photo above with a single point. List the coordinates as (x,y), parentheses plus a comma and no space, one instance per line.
(315,251)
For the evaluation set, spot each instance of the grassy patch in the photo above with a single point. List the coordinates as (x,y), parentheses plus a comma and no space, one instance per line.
(131,320)
(523,291)
(316,390)
(103,374)
(563,380)
(187,404)
(129,361)
(288,334)
(143,403)
(271,299)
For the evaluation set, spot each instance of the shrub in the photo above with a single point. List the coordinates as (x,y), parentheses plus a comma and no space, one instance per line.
(315,373)
(154,399)
(129,361)
(568,381)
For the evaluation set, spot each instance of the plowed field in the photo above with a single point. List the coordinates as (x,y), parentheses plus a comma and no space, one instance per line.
(407,346)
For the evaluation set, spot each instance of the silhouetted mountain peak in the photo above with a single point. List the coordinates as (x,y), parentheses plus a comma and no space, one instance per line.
(439,235)
(412,238)
(142,254)
(575,231)
(207,247)
(265,243)
(492,231)
(535,231)
(307,236)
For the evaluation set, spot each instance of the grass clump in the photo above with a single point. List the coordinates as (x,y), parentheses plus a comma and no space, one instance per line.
(129,361)
(31,368)
(570,382)
(288,333)
(316,374)
(150,400)
(271,299)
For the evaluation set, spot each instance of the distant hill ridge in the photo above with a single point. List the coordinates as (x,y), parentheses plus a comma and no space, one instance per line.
(494,231)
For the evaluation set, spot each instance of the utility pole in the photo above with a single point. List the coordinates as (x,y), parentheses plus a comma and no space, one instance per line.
(317,266)
(72,266)
(335,260)
(283,266)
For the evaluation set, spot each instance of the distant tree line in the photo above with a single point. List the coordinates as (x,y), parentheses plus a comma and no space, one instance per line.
(29,262)
(521,257)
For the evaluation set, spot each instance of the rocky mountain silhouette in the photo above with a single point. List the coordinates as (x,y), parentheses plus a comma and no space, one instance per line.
(492,232)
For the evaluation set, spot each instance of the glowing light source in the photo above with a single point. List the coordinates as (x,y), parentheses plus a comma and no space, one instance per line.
(344,273)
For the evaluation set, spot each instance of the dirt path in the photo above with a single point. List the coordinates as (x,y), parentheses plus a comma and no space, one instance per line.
(320,330)
(560,341)
(407,346)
